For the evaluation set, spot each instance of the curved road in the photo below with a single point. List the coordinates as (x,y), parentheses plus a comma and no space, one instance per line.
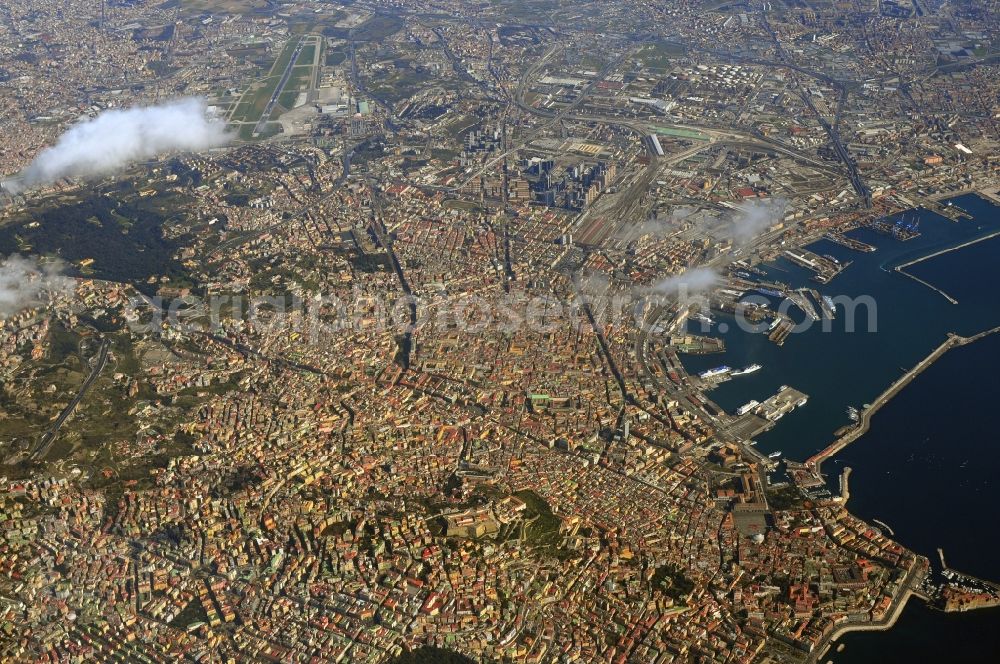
(45,442)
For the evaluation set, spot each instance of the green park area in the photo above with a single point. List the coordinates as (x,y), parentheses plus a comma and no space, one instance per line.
(660,55)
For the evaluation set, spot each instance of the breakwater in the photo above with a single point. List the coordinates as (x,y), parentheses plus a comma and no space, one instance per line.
(814,463)
(901,269)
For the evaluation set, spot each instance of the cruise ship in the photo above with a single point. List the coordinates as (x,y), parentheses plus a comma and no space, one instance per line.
(717,371)
(748,370)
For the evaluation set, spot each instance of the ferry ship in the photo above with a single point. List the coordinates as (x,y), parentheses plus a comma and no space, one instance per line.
(703,318)
(769,291)
(774,324)
(747,407)
(828,301)
(717,371)
(852,413)
(748,370)
(774,455)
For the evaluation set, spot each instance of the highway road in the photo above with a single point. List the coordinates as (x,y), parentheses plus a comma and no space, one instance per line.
(860,188)
(553,116)
(45,442)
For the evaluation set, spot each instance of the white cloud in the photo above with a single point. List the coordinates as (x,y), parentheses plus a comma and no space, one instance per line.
(117,138)
(25,283)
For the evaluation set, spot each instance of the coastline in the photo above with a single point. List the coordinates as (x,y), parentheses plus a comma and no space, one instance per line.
(913,580)
(886,623)
(924,351)
(908,590)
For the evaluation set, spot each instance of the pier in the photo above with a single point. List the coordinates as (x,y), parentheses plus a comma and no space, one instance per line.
(798,297)
(815,462)
(824,268)
(893,230)
(785,401)
(850,243)
(781,331)
(962,575)
(826,305)
(845,487)
(885,527)
(949,211)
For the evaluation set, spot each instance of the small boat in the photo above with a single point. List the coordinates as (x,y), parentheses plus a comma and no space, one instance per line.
(774,455)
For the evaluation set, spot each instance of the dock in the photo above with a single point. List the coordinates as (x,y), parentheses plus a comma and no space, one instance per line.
(781,331)
(826,307)
(850,243)
(948,211)
(785,401)
(799,299)
(944,568)
(895,230)
(824,268)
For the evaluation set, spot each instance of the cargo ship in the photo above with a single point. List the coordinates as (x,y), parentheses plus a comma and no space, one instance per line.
(748,370)
(717,371)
